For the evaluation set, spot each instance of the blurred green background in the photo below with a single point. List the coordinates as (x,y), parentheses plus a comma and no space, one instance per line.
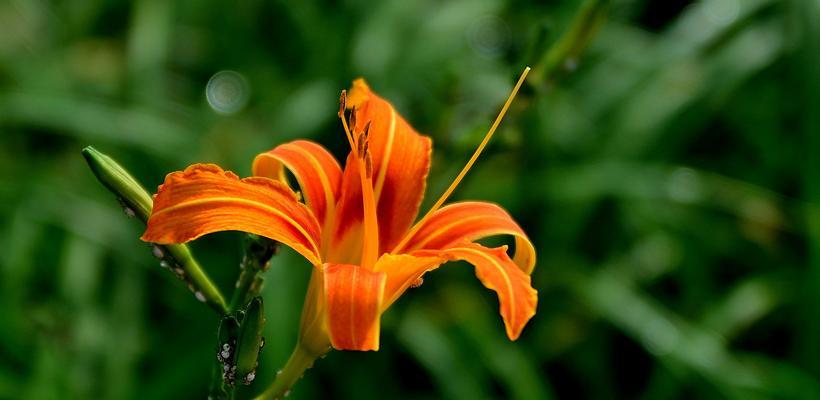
(669,177)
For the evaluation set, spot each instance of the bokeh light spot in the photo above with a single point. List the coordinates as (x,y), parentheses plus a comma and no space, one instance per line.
(227,92)
(489,36)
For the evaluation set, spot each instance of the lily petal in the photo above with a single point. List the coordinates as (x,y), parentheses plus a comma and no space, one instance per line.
(317,172)
(403,270)
(205,199)
(400,162)
(499,273)
(470,221)
(354,297)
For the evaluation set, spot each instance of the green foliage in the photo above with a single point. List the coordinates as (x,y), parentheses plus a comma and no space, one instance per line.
(668,177)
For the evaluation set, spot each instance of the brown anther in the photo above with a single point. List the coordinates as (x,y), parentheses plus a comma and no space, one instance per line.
(352,120)
(366,145)
(342,103)
(366,132)
(360,145)
(416,283)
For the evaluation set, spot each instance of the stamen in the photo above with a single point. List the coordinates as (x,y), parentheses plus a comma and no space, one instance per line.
(366,132)
(361,144)
(368,164)
(370,241)
(370,245)
(469,164)
(342,103)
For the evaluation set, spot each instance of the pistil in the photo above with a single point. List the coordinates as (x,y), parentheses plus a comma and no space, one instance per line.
(467,167)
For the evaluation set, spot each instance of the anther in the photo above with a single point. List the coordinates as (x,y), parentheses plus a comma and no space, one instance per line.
(366,132)
(418,282)
(360,144)
(342,103)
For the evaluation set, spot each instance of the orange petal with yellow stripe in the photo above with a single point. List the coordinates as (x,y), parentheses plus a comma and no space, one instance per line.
(205,199)
(403,270)
(470,221)
(353,296)
(317,172)
(400,162)
(499,273)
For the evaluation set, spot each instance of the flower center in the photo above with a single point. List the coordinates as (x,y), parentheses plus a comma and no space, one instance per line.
(359,146)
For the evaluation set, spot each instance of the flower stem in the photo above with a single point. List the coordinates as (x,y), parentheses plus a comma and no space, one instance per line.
(256,260)
(300,360)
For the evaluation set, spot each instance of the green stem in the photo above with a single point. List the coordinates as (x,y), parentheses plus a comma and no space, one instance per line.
(566,51)
(300,360)
(258,252)
(138,203)
(201,284)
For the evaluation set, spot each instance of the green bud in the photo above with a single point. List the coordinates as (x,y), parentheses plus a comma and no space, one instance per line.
(250,341)
(224,370)
(138,203)
(228,334)
(133,196)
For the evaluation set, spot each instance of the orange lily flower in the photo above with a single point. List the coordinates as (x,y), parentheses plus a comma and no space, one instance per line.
(355,225)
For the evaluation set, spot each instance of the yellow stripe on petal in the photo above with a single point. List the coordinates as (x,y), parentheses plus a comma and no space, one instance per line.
(317,172)
(403,270)
(353,296)
(204,199)
(400,163)
(494,268)
(470,221)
